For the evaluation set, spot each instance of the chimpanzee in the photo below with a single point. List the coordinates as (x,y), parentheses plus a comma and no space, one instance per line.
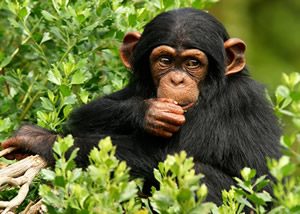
(190,91)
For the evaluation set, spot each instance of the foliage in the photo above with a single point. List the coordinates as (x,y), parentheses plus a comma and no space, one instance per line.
(56,55)
(250,193)
(180,190)
(103,188)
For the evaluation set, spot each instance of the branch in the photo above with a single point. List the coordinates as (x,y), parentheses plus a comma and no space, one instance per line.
(18,174)
(33,208)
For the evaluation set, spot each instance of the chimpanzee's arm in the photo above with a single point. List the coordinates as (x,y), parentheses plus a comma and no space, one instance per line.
(120,113)
(31,139)
(125,112)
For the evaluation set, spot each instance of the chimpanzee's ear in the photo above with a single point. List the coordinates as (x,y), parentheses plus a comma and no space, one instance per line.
(126,50)
(235,49)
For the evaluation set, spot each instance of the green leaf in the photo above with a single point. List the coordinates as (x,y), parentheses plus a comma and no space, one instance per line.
(260,183)
(107,89)
(287,141)
(248,173)
(244,201)
(294,79)
(68,67)
(286,102)
(59,181)
(51,96)
(63,144)
(5,124)
(46,37)
(184,194)
(48,16)
(265,196)
(203,208)
(281,93)
(288,169)
(65,90)
(55,76)
(70,100)
(8,59)
(157,175)
(84,95)
(129,192)
(78,78)
(67,110)
(295,95)
(48,175)
(202,191)
(47,104)
(92,26)
(260,198)
(24,12)
(42,116)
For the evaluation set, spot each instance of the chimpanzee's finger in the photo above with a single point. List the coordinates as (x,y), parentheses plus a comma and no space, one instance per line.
(11,142)
(160,132)
(171,118)
(167,100)
(166,107)
(18,155)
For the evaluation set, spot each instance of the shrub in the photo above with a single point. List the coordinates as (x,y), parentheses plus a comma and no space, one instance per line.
(59,54)
(55,55)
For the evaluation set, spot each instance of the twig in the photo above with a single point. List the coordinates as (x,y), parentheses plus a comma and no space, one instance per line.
(21,174)
(33,208)
(7,151)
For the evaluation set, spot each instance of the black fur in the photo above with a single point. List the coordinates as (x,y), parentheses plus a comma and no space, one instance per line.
(231,127)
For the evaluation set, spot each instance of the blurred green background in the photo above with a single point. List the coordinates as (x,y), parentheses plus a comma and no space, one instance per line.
(271,30)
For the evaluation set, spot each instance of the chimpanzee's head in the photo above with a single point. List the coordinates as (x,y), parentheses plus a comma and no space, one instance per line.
(179,52)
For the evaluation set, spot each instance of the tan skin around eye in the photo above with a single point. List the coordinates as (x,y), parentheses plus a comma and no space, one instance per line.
(195,62)
(192,63)
(162,50)
(164,58)
(193,55)
(156,63)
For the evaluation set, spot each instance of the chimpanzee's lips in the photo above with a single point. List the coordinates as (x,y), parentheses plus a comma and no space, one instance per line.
(186,106)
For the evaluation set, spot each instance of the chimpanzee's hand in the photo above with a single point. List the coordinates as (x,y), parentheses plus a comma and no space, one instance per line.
(163,117)
(31,140)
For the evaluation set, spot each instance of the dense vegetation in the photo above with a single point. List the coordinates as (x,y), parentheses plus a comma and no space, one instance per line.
(56,55)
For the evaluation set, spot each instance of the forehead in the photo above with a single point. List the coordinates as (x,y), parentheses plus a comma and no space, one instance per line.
(184,29)
(169,50)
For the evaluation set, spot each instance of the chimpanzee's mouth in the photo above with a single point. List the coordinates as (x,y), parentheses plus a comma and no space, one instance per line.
(186,106)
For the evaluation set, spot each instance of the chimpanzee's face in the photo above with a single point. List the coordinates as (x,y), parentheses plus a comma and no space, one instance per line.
(177,74)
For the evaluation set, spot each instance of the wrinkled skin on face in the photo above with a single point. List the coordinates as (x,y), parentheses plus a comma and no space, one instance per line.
(177,76)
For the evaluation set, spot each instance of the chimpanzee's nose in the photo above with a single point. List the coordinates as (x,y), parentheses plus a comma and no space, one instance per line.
(177,78)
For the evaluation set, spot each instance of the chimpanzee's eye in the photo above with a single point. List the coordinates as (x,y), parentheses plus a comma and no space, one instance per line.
(165,60)
(192,63)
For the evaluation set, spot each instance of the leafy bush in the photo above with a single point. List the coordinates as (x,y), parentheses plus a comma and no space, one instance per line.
(103,188)
(180,190)
(56,55)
